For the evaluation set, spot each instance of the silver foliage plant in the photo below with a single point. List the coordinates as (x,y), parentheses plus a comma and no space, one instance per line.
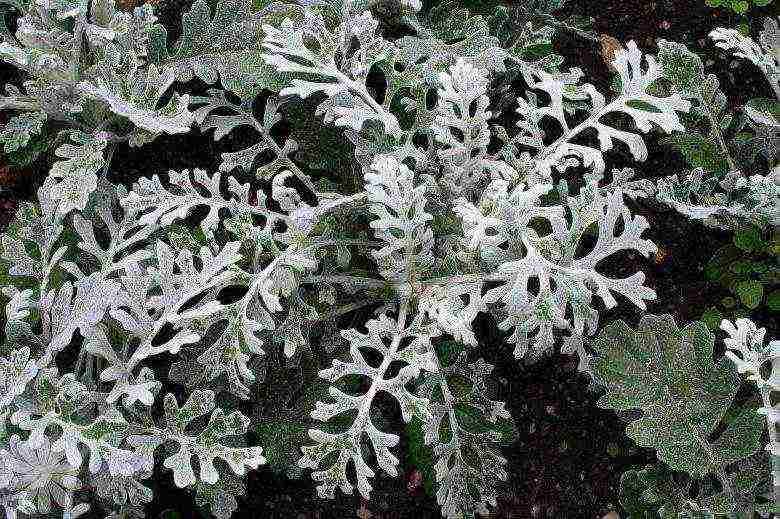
(746,349)
(733,197)
(463,216)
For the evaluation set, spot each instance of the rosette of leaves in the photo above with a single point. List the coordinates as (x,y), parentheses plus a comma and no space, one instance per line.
(215,271)
(46,472)
(669,374)
(748,269)
(463,84)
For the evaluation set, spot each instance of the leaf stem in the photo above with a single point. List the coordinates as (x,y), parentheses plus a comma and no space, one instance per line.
(774,436)
(342,279)
(388,119)
(573,132)
(552,21)
(78,37)
(347,309)
(449,400)
(365,406)
(718,134)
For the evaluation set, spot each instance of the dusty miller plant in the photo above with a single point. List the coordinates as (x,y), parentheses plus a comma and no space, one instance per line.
(453,215)
(725,189)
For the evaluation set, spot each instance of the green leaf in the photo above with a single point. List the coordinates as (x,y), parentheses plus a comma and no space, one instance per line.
(698,151)
(741,267)
(769,508)
(717,267)
(24,157)
(764,111)
(282,439)
(420,456)
(537,51)
(712,318)
(681,66)
(773,300)
(718,504)
(220,498)
(225,47)
(651,490)
(17,132)
(631,489)
(750,292)
(749,239)
(669,374)
(741,438)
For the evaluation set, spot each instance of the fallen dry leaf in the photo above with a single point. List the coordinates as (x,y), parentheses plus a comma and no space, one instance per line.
(609,46)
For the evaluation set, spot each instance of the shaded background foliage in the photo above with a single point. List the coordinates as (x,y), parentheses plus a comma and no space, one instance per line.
(567,455)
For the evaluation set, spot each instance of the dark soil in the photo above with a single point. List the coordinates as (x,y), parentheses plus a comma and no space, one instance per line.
(568,457)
